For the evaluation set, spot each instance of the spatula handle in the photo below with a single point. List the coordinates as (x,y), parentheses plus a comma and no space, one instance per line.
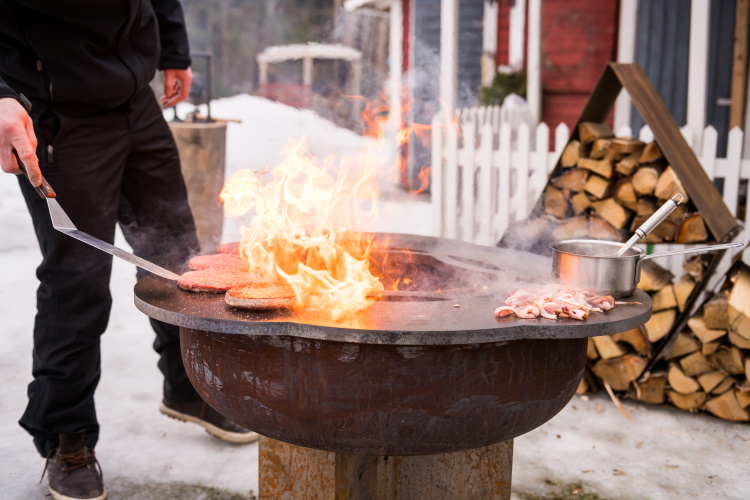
(44,189)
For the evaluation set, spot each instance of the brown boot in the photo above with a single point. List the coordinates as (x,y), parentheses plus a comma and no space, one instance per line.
(216,424)
(73,471)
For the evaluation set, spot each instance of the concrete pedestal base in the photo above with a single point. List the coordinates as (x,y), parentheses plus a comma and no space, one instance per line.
(297,473)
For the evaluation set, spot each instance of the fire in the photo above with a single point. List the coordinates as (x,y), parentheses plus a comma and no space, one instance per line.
(303,227)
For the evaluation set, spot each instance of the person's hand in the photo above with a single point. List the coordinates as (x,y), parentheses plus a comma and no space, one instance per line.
(17,131)
(176,86)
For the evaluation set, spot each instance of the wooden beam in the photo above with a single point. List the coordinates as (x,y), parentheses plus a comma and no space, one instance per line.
(739,64)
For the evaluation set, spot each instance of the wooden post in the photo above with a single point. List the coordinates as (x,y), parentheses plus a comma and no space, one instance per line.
(739,65)
(293,472)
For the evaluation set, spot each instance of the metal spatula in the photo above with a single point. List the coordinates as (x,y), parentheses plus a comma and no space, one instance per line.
(62,223)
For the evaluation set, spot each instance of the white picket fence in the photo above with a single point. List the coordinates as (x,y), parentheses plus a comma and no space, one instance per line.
(487,174)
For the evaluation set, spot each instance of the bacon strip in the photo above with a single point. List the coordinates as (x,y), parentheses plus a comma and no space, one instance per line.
(555,301)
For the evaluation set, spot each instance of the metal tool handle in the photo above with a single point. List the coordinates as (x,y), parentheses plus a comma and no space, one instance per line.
(712,248)
(658,216)
(44,189)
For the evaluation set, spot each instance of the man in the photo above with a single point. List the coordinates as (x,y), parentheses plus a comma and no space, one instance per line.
(98,136)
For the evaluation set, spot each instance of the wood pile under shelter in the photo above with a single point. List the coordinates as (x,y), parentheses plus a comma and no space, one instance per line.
(603,187)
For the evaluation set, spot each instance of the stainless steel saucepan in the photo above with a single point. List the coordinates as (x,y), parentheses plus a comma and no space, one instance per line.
(593,264)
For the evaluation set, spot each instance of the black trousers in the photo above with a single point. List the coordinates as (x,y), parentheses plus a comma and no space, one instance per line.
(107,166)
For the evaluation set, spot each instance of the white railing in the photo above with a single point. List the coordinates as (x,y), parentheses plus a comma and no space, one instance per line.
(487,174)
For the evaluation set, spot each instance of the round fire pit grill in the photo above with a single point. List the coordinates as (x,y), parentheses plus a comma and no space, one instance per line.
(424,370)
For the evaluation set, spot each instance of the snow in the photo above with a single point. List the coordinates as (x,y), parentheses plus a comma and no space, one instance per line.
(660,454)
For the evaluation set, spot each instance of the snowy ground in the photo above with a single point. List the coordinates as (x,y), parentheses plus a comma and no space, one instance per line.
(589,448)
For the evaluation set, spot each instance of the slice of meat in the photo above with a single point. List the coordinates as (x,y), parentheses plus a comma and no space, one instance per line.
(263,295)
(214,280)
(226,262)
(229,248)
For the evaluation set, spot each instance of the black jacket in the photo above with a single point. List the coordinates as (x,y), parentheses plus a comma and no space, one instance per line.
(92,52)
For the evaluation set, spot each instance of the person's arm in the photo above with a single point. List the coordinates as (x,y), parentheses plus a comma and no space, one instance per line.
(174,59)
(17,132)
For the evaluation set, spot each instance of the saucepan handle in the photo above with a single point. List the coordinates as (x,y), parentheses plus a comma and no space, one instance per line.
(712,248)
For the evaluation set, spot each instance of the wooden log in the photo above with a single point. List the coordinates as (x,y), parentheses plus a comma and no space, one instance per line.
(710,380)
(555,202)
(646,206)
(653,276)
(700,330)
(619,372)
(659,324)
(573,179)
(695,267)
(650,389)
(670,185)
(738,309)
(707,349)
(626,146)
(575,227)
(682,290)
(650,153)
(695,364)
(645,179)
(598,187)
(727,407)
(747,368)
(683,344)
(687,402)
(636,339)
(579,202)
(663,299)
(599,229)
(624,194)
(664,232)
(743,398)
(607,348)
(600,148)
(728,360)
(591,352)
(738,340)
(724,386)
(716,312)
(681,382)
(627,165)
(570,154)
(692,229)
(612,212)
(590,131)
(599,167)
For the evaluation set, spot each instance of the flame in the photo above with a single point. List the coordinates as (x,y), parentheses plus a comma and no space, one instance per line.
(301,230)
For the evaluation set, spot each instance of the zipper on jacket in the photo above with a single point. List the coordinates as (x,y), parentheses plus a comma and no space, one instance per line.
(50,154)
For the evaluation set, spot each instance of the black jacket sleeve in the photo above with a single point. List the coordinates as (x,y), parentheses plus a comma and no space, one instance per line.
(175,50)
(6,91)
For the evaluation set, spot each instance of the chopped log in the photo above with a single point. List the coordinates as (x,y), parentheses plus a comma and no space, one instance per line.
(555,202)
(598,187)
(681,382)
(650,389)
(612,212)
(716,312)
(728,360)
(695,267)
(599,229)
(700,330)
(645,179)
(678,213)
(627,165)
(711,380)
(570,154)
(727,407)
(607,348)
(591,352)
(646,206)
(743,398)
(624,194)
(683,343)
(600,148)
(626,146)
(575,227)
(739,304)
(738,340)
(663,299)
(724,386)
(692,229)
(599,167)
(573,179)
(619,372)
(653,276)
(707,349)
(747,368)
(682,290)
(695,364)
(636,339)
(589,383)
(579,202)
(590,131)
(660,324)
(650,153)
(670,185)
(661,233)
(687,402)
